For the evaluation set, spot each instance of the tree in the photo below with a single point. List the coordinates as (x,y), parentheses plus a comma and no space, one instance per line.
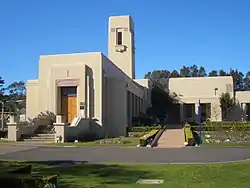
(226,104)
(223,73)
(1,88)
(247,81)
(194,71)
(202,72)
(174,74)
(161,76)
(238,79)
(161,101)
(16,92)
(185,72)
(213,73)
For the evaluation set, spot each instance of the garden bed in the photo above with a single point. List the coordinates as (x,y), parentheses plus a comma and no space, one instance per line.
(226,136)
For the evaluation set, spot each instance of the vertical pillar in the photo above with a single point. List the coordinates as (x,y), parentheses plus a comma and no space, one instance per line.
(196,111)
(138,104)
(143,106)
(181,112)
(130,108)
(12,129)
(59,129)
(81,93)
(136,107)
(133,104)
(140,110)
(243,115)
(88,97)
(216,114)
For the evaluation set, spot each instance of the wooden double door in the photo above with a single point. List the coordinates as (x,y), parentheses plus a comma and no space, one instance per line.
(69,103)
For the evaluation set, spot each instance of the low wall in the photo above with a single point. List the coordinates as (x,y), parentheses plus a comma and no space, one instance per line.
(79,132)
(15,130)
(25,129)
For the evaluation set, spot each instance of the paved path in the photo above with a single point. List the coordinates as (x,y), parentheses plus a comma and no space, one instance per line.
(5,148)
(131,155)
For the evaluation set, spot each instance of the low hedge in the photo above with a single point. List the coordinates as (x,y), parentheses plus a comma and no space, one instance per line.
(28,181)
(143,128)
(222,123)
(218,128)
(143,139)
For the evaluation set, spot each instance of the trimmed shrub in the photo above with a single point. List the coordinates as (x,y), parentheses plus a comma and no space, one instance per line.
(218,126)
(151,134)
(228,123)
(143,128)
(27,181)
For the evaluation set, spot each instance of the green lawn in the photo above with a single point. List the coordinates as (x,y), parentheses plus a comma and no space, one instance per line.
(124,141)
(231,175)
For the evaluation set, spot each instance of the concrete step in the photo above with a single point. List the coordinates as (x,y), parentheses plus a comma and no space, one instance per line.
(39,135)
(39,138)
(37,141)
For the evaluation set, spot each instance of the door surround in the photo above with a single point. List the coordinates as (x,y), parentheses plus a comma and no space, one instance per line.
(68,100)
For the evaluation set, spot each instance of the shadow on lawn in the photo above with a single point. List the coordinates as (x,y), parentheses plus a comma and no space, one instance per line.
(80,173)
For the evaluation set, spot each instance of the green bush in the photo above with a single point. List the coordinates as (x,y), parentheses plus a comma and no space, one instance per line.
(27,181)
(151,134)
(217,126)
(227,123)
(143,128)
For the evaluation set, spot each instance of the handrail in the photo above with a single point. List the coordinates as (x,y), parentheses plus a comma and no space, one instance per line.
(158,136)
(75,122)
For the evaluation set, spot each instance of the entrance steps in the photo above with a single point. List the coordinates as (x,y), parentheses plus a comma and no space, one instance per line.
(172,138)
(39,138)
(43,134)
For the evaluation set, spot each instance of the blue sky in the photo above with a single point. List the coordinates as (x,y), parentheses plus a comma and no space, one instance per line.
(168,34)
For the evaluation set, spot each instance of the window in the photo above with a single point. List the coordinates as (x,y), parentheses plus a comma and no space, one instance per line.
(189,110)
(119,38)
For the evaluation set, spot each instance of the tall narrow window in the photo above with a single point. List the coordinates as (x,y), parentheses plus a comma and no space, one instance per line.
(119,37)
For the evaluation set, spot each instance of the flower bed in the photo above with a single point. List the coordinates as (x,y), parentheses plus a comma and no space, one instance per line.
(225,136)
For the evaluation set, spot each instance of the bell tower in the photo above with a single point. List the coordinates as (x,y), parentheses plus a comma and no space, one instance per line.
(121,47)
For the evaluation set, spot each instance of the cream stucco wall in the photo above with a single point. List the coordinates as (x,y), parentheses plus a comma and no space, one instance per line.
(66,66)
(147,84)
(239,112)
(107,102)
(118,85)
(243,96)
(195,89)
(123,56)
(32,98)
(103,84)
(200,87)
